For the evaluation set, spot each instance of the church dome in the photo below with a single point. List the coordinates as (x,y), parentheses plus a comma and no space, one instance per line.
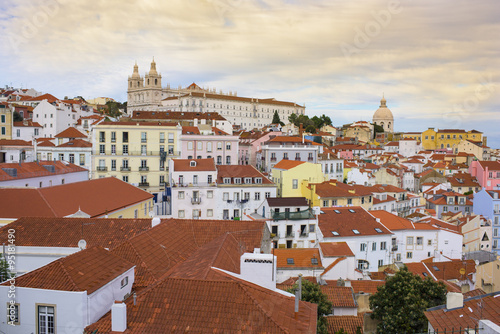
(383,113)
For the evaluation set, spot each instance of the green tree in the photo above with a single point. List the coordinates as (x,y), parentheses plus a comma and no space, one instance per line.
(17,117)
(276,119)
(113,108)
(401,302)
(377,128)
(311,292)
(5,272)
(292,118)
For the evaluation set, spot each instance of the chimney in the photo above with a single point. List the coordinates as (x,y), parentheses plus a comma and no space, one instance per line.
(301,129)
(259,269)
(454,300)
(155,221)
(297,299)
(119,317)
(347,283)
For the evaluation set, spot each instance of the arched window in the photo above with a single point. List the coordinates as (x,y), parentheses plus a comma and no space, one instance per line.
(156,82)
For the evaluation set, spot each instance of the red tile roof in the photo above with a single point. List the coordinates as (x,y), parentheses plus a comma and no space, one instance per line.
(185,165)
(76,143)
(334,249)
(291,139)
(14,142)
(242,171)
(35,169)
(190,130)
(395,223)
(349,323)
(66,232)
(302,258)
(86,270)
(347,220)
(70,133)
(160,249)
(339,296)
(366,286)
(485,307)
(50,98)
(288,164)
(27,123)
(227,305)
(94,197)
(492,165)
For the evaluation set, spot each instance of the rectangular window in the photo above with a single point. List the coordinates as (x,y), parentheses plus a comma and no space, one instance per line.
(209,146)
(136,213)
(170,137)
(199,145)
(210,194)
(13,314)
(125,137)
(398,257)
(113,164)
(113,149)
(143,149)
(409,255)
(125,178)
(295,184)
(102,137)
(124,282)
(102,149)
(225,196)
(46,323)
(162,137)
(181,213)
(228,160)
(325,203)
(362,247)
(210,213)
(409,240)
(383,245)
(257,196)
(113,136)
(82,159)
(125,149)
(3,119)
(180,195)
(380,263)
(72,158)
(420,241)
(144,137)
(268,194)
(374,246)
(228,146)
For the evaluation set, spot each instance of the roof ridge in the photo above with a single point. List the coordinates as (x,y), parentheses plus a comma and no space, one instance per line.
(333,264)
(259,307)
(220,248)
(46,201)
(67,274)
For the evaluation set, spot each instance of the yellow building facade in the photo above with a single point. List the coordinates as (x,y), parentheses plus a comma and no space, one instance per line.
(447,138)
(135,152)
(331,194)
(6,121)
(291,176)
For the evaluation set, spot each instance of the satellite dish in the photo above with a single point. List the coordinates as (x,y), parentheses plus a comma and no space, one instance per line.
(82,244)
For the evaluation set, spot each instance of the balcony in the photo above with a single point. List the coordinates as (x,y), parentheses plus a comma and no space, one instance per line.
(297,158)
(102,168)
(289,234)
(273,158)
(144,184)
(196,200)
(125,169)
(296,215)
(310,159)
(143,169)
(304,234)
(162,140)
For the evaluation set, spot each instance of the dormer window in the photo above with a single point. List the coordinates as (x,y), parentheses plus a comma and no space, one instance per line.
(227,180)
(192,163)
(248,180)
(237,180)
(258,180)
(451,200)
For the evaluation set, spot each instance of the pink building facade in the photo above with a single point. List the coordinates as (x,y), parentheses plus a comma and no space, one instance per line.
(487,173)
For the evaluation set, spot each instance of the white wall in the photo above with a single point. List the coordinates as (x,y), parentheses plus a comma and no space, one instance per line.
(47,181)
(29,258)
(70,310)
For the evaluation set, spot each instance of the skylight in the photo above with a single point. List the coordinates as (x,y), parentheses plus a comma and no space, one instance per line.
(356,231)
(314,261)
(378,230)
(336,211)
(335,233)
(435,268)
(290,261)
(351,210)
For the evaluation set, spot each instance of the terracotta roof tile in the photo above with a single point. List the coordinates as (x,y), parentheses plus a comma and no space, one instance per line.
(86,270)
(347,221)
(175,115)
(339,296)
(70,133)
(186,165)
(66,232)
(297,258)
(76,143)
(94,197)
(27,123)
(365,286)
(14,142)
(170,243)
(227,305)
(288,164)
(241,171)
(349,323)
(486,307)
(36,169)
(334,249)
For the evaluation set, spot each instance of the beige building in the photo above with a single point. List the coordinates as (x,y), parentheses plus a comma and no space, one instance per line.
(135,152)
(383,117)
(488,276)
(6,121)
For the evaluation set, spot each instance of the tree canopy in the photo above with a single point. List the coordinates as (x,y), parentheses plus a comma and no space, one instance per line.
(113,108)
(310,124)
(17,117)
(311,292)
(401,302)
(276,119)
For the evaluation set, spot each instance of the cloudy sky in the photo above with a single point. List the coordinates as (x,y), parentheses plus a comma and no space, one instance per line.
(437,62)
